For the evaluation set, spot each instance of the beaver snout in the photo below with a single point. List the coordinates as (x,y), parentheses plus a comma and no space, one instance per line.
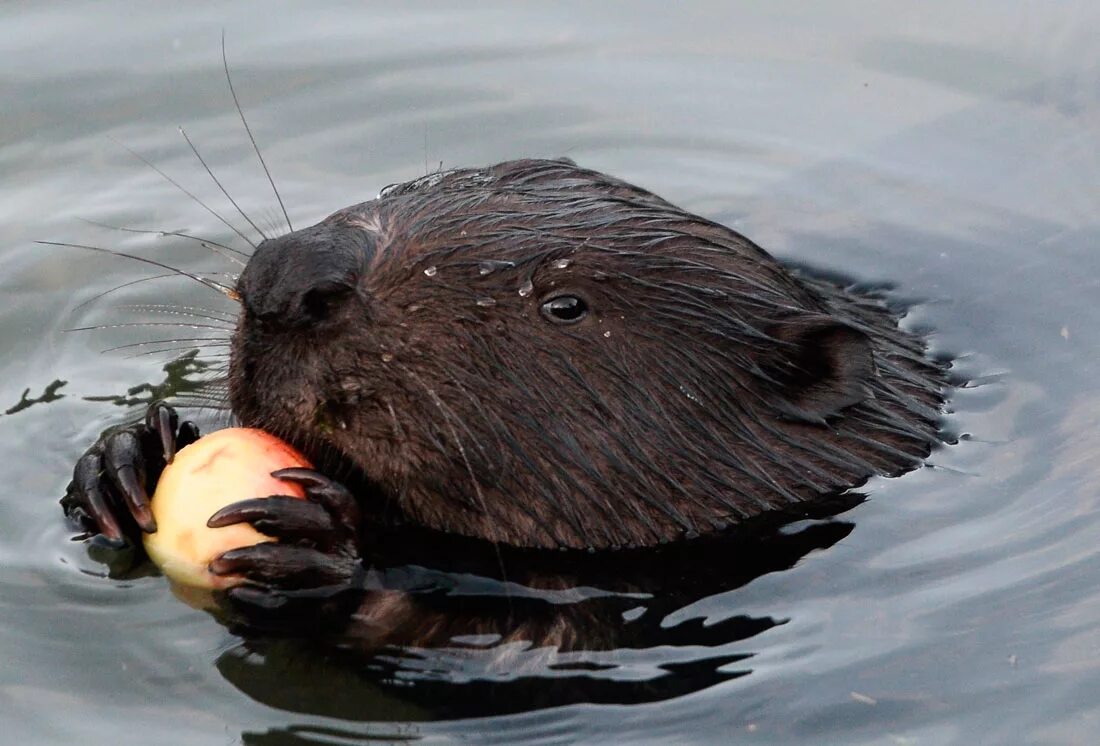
(303,279)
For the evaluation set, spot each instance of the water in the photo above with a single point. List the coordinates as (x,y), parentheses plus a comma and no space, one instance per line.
(949,153)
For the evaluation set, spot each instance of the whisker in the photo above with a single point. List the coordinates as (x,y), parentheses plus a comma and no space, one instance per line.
(237,103)
(176,324)
(184,348)
(145,280)
(191,347)
(179,186)
(222,188)
(205,242)
(209,392)
(132,345)
(271,220)
(212,404)
(200,400)
(223,289)
(208,409)
(192,311)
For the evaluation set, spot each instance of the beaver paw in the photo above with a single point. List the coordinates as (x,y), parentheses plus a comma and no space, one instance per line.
(316,558)
(109,494)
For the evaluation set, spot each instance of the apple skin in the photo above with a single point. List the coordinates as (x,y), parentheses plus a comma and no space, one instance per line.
(213,472)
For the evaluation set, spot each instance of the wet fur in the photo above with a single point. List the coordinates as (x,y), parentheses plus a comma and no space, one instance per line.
(708,384)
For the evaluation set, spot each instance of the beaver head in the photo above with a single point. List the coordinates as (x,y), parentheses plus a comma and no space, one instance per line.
(541,355)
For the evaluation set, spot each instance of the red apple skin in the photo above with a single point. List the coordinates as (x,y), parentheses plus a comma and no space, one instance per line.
(217,470)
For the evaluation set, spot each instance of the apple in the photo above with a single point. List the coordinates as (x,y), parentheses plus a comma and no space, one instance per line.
(213,472)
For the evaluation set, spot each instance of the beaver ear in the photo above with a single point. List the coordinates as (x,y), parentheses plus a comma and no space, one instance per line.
(822,367)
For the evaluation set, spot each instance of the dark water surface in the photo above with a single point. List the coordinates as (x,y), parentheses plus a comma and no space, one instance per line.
(953,155)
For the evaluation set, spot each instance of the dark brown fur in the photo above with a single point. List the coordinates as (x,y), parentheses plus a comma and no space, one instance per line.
(706,385)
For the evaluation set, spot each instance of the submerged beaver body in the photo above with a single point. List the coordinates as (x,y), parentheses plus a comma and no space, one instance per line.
(540,355)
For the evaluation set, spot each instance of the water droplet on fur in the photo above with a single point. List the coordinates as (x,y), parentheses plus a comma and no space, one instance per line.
(607,334)
(526,289)
(431,271)
(690,395)
(600,276)
(561,263)
(489,266)
(413,308)
(486,302)
(387,357)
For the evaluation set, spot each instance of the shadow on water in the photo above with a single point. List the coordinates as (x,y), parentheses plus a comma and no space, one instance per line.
(427,644)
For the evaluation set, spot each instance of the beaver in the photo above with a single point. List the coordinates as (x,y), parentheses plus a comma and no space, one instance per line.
(537,355)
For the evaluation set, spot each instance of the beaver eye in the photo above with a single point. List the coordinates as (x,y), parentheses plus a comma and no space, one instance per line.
(565,309)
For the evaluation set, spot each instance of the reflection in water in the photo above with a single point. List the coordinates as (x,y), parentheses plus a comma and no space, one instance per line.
(187,380)
(428,644)
(305,735)
(48,395)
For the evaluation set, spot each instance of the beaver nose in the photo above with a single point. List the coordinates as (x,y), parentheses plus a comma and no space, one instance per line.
(295,283)
(320,302)
(299,303)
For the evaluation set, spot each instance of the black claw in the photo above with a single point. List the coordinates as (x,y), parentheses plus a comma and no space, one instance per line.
(287,565)
(279,516)
(308,478)
(126,467)
(88,496)
(133,492)
(334,496)
(244,511)
(163,420)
